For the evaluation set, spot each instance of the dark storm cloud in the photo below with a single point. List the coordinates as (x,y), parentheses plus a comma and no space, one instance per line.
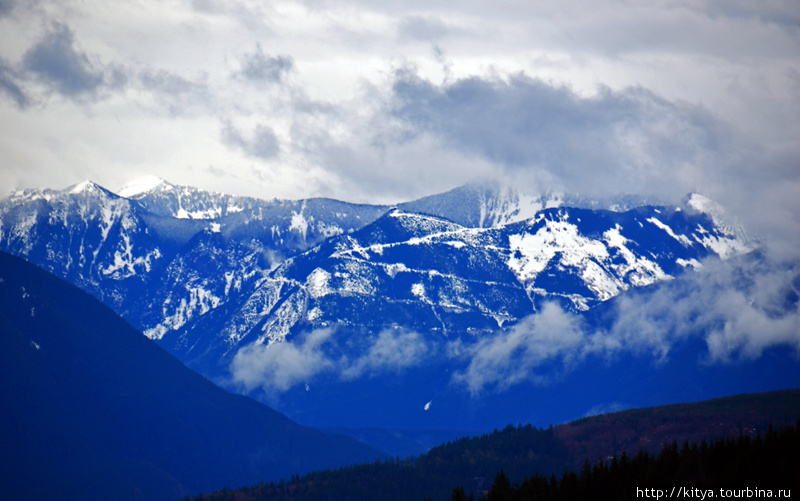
(6,6)
(258,67)
(263,143)
(10,87)
(613,142)
(56,61)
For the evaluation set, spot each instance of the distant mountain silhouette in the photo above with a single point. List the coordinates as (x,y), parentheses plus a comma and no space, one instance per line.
(92,409)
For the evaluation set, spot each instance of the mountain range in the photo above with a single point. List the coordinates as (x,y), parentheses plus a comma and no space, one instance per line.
(354,315)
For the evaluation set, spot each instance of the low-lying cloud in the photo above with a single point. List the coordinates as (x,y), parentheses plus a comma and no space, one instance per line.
(741,307)
(279,366)
(393,350)
(513,355)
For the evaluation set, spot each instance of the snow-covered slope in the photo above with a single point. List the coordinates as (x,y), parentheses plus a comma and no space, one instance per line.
(86,234)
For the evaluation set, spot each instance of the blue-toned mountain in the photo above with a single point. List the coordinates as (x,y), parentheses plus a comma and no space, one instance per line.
(94,410)
(428,274)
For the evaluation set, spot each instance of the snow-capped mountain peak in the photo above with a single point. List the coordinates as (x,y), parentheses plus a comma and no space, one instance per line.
(144,184)
(87,187)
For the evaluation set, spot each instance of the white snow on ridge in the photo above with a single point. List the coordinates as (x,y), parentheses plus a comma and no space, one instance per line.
(694,263)
(299,222)
(554,237)
(595,261)
(638,270)
(212,213)
(724,247)
(83,187)
(142,185)
(680,238)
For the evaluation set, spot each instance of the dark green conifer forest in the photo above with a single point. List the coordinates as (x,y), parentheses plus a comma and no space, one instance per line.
(748,467)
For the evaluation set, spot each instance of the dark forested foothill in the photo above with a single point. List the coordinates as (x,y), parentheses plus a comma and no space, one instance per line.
(603,454)
(765,466)
(468,461)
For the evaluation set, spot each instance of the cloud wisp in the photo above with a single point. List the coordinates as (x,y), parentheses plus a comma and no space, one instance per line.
(279,366)
(513,356)
(262,143)
(260,68)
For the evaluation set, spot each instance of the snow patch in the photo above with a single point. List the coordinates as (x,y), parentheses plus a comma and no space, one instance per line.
(317,283)
(724,247)
(299,223)
(694,263)
(680,238)
(639,271)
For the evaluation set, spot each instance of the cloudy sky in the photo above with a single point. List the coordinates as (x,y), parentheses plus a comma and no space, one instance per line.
(385,101)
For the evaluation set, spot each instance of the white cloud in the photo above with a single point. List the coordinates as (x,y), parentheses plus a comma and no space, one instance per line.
(741,307)
(672,74)
(514,355)
(281,365)
(394,350)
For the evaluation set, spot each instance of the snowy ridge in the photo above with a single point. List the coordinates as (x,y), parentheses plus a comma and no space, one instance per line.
(143,185)
(458,280)
(207,274)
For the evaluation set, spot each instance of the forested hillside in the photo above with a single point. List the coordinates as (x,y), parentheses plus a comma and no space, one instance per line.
(543,456)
